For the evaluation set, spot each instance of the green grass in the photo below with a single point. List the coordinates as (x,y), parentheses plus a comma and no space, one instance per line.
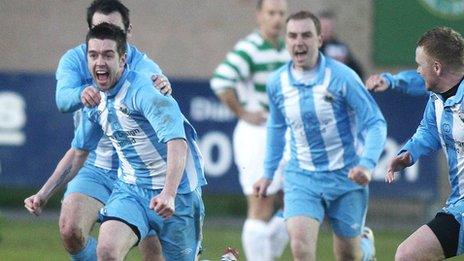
(25,239)
(38,239)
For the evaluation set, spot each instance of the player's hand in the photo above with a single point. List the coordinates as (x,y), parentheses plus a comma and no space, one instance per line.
(34,204)
(90,97)
(162,83)
(163,204)
(260,187)
(254,118)
(360,175)
(398,163)
(376,83)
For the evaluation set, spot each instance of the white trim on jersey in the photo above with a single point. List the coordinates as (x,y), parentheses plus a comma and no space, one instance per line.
(292,109)
(145,150)
(330,136)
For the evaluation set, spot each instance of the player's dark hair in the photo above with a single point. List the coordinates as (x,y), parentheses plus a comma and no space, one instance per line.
(107,7)
(109,31)
(301,15)
(444,44)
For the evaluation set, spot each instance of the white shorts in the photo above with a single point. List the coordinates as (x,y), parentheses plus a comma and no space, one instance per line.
(249,152)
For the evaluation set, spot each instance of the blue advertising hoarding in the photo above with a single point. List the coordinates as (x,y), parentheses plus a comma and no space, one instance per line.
(34,135)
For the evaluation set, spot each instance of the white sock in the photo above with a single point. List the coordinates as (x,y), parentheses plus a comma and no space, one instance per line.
(279,235)
(256,240)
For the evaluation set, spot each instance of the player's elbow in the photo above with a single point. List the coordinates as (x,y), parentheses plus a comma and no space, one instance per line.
(177,147)
(80,153)
(62,106)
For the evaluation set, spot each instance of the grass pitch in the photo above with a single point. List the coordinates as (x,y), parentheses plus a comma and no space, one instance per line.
(38,239)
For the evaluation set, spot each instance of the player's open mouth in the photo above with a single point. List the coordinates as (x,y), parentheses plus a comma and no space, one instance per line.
(300,54)
(102,75)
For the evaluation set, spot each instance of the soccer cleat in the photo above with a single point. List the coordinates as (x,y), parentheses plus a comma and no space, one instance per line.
(369,235)
(230,254)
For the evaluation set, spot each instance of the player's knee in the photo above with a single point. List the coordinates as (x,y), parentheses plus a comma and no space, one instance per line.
(107,251)
(72,236)
(301,250)
(150,249)
(404,252)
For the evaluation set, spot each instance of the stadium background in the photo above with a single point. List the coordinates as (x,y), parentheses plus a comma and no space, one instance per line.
(188,39)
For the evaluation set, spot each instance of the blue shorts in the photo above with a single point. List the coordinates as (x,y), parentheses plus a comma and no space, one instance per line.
(316,194)
(180,235)
(94,182)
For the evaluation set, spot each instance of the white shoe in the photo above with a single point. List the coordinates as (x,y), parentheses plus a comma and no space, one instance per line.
(230,254)
(367,233)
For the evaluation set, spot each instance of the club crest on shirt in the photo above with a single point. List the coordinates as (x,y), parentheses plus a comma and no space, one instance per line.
(446,128)
(124,110)
(328,97)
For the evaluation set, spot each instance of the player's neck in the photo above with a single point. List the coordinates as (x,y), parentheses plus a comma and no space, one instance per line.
(450,80)
(272,39)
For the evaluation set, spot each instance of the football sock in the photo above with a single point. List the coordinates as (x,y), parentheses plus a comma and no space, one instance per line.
(367,248)
(256,240)
(278,234)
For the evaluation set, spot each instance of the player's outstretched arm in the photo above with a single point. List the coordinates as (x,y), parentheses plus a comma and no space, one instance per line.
(376,83)
(35,202)
(164,203)
(66,169)
(398,163)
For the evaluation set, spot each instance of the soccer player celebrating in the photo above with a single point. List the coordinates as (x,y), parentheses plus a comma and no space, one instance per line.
(90,189)
(161,170)
(440,61)
(329,115)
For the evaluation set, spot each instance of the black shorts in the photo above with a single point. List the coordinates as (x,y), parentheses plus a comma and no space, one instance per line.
(446,229)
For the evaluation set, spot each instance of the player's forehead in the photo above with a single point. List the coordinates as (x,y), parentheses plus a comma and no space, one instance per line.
(301,26)
(101,45)
(421,56)
(274,5)
(114,18)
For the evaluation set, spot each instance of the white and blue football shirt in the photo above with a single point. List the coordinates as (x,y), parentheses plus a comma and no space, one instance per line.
(334,122)
(73,76)
(443,126)
(139,121)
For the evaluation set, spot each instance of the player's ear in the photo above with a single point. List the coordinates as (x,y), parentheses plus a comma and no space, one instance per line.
(122,60)
(319,40)
(437,67)
(129,31)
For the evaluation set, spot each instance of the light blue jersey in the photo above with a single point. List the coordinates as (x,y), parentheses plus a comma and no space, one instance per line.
(443,125)
(325,117)
(139,121)
(408,82)
(73,77)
